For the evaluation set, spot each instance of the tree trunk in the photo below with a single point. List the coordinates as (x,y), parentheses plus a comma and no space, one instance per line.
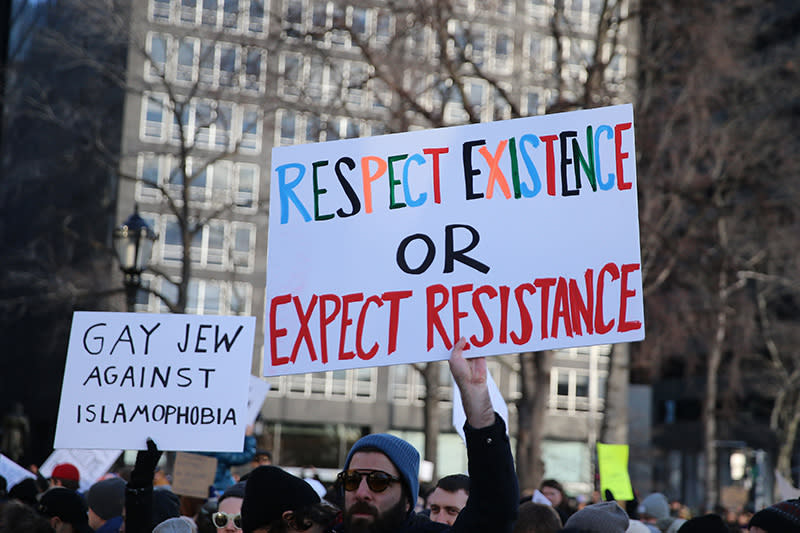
(789,434)
(614,428)
(430,373)
(531,409)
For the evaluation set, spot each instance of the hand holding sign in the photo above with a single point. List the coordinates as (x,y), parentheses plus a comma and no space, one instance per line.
(470,376)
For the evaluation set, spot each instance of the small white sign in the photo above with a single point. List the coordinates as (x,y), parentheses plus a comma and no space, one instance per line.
(12,472)
(91,464)
(498,402)
(519,235)
(256,396)
(181,380)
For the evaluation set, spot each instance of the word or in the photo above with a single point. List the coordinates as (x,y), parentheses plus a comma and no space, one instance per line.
(562,152)
(451,255)
(163,414)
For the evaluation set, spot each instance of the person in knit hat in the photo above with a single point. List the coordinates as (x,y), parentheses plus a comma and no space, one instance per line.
(603,517)
(654,511)
(782,517)
(65,509)
(275,501)
(106,500)
(380,480)
(65,475)
(708,523)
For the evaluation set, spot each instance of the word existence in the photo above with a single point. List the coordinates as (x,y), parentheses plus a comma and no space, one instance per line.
(202,347)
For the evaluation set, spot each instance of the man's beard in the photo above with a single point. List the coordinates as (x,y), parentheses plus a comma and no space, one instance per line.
(387,522)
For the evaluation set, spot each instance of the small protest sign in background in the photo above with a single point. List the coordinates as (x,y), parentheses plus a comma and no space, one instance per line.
(181,380)
(612,464)
(193,474)
(520,235)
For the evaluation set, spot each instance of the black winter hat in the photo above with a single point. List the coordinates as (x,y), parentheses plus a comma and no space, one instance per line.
(269,492)
(67,505)
(709,523)
(782,517)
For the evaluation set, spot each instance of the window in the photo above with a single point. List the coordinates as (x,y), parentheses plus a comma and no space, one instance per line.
(293,18)
(204,297)
(384,26)
(241,295)
(292,74)
(157,45)
(503,50)
(209,17)
(230,15)
(243,246)
(254,70)
(358,24)
(153,124)
(187,51)
(228,64)
(256,20)
(221,179)
(188,13)
(288,127)
(172,248)
(251,129)
(150,177)
(223,123)
(246,186)
(160,10)
(207,60)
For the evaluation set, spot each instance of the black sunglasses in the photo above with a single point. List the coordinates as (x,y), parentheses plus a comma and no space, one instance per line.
(221,519)
(377,480)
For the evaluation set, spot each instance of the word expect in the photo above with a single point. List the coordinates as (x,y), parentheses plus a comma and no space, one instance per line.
(550,152)
(571,307)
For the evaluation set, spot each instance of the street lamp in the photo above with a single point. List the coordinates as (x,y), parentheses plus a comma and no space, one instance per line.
(133,242)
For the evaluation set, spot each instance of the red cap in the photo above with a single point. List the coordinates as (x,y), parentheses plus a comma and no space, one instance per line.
(66,471)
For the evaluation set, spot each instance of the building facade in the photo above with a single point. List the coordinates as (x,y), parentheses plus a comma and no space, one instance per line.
(215,84)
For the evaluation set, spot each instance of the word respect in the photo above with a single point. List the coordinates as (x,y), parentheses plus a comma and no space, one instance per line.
(550,307)
(520,167)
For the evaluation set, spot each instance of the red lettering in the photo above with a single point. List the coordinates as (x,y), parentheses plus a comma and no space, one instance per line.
(625,293)
(545,284)
(434,321)
(457,313)
(561,309)
(505,292)
(304,332)
(394,297)
(436,152)
(274,331)
(599,325)
(549,141)
(326,319)
(347,299)
(486,324)
(524,315)
(360,330)
(582,310)
(620,155)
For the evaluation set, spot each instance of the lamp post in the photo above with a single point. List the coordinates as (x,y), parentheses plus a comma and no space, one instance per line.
(133,242)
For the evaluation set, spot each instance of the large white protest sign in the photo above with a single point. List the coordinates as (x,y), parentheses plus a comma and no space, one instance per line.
(12,472)
(181,380)
(91,464)
(519,235)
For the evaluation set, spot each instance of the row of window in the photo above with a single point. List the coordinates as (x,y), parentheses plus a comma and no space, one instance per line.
(293,127)
(205,297)
(249,16)
(202,123)
(215,183)
(219,245)
(358,384)
(211,63)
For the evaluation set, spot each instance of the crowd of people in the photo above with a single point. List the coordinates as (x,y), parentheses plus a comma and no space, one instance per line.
(377,491)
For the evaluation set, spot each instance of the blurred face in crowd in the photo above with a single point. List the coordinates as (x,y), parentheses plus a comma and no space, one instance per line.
(367,510)
(756,529)
(445,505)
(231,506)
(552,494)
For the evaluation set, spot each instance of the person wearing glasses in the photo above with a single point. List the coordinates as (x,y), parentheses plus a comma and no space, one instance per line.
(275,501)
(228,518)
(380,478)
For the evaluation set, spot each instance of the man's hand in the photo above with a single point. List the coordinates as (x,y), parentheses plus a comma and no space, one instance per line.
(470,376)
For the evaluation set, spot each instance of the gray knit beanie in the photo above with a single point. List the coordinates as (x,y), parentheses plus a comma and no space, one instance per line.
(603,517)
(402,454)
